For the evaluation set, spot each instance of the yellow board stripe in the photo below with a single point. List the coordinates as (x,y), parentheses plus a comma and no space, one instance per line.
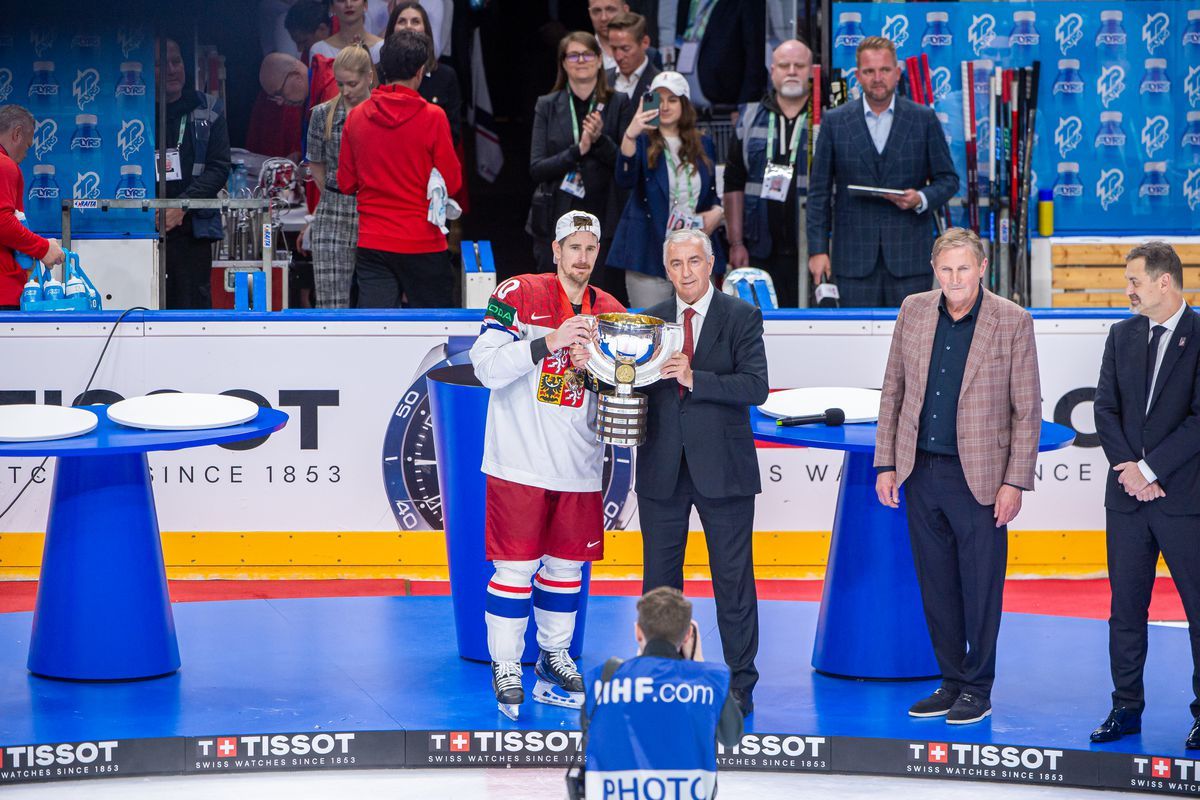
(421,555)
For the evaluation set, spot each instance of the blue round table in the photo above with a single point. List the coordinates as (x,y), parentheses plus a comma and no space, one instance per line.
(103,612)
(871,624)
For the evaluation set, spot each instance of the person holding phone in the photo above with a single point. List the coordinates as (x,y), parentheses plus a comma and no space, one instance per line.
(571,158)
(668,166)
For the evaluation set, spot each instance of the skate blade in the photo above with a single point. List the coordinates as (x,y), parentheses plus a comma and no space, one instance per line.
(554,695)
(512,711)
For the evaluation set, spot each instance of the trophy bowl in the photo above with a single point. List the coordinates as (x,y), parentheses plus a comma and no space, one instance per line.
(628,352)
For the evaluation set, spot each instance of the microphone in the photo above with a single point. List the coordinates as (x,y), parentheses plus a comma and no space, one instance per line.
(831,417)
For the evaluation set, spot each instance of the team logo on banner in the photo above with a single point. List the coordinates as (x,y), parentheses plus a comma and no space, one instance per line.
(940,79)
(1068,134)
(87,186)
(1191,86)
(6,82)
(1110,187)
(1191,189)
(42,40)
(1068,32)
(131,137)
(45,136)
(1155,134)
(896,29)
(1156,31)
(1111,84)
(129,39)
(982,32)
(86,87)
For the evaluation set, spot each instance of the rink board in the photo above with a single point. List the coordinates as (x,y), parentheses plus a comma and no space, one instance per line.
(371,682)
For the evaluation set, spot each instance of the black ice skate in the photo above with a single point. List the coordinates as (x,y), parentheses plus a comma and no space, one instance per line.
(506,683)
(559,682)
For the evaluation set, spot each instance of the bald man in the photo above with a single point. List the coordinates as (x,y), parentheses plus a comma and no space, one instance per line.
(284,79)
(766,171)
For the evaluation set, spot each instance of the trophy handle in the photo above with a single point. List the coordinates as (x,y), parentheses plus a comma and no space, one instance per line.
(670,344)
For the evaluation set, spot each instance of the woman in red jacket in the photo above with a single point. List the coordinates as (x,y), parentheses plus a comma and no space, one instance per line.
(390,146)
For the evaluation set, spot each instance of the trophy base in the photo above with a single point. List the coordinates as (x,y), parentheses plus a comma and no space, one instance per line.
(621,419)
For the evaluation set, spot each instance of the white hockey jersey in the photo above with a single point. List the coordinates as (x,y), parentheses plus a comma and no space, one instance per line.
(541,420)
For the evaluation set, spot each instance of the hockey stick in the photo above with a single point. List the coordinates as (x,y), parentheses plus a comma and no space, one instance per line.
(968,109)
(1031,98)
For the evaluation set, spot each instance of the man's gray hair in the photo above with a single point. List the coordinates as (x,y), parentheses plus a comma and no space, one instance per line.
(688,235)
(13,115)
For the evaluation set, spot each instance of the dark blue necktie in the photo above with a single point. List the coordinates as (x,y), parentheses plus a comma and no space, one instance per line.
(1152,357)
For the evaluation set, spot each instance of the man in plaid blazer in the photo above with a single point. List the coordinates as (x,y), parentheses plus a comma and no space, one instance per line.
(880,244)
(959,420)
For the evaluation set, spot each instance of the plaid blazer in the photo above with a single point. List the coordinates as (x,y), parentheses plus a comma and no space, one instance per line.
(999,407)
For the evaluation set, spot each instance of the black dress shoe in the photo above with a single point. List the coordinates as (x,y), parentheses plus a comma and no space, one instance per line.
(745,700)
(936,705)
(1123,721)
(1193,740)
(968,708)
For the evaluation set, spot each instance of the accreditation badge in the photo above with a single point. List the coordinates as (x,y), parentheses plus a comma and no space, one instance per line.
(682,219)
(572,184)
(777,180)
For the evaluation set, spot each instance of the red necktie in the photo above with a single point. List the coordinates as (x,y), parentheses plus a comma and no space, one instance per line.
(689,341)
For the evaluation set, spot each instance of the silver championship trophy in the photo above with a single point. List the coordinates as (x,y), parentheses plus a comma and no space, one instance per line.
(627,353)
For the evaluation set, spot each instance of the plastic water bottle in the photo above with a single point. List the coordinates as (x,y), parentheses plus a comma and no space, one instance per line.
(1155,87)
(42,199)
(43,88)
(238,184)
(849,35)
(937,32)
(32,292)
(1154,192)
(1068,82)
(52,289)
(1189,145)
(86,147)
(1110,142)
(1111,135)
(74,286)
(1191,37)
(131,186)
(1068,189)
(1111,40)
(1024,39)
(130,86)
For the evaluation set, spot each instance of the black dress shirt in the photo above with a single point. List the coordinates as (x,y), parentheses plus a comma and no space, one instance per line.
(938,430)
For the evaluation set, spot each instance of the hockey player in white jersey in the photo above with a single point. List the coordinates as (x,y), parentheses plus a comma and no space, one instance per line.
(543,463)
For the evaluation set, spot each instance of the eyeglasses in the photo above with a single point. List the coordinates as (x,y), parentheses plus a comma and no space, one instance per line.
(585,57)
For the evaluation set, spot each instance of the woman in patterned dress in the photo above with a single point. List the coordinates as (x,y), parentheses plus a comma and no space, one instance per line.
(333,234)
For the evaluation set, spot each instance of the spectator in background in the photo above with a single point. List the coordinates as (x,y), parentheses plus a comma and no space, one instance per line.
(629,44)
(307,23)
(729,61)
(602,12)
(272,32)
(351,17)
(440,84)
(668,166)
(880,245)
(390,146)
(762,210)
(574,149)
(198,162)
(334,229)
(16,137)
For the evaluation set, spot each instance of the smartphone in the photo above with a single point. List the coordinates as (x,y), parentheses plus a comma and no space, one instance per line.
(650,102)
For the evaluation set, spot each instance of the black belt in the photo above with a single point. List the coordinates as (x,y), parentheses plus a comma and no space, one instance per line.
(929,456)
(333,189)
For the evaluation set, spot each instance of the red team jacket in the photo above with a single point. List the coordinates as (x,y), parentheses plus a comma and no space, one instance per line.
(14,235)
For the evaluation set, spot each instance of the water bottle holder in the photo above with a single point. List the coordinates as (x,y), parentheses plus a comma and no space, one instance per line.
(88,301)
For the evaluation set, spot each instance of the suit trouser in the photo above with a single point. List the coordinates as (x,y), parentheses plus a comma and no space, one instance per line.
(384,278)
(960,556)
(728,528)
(784,270)
(880,289)
(1134,542)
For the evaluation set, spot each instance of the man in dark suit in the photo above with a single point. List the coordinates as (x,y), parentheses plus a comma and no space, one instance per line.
(880,244)
(1147,412)
(699,451)
(630,45)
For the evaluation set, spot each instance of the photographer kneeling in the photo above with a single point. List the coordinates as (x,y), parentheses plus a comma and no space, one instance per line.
(652,723)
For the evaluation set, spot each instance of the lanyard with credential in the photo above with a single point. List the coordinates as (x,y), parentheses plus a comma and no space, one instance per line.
(683,175)
(574,117)
(182,127)
(698,16)
(794,147)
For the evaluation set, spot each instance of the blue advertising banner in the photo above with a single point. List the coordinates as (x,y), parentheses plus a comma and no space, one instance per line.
(1118,122)
(90,87)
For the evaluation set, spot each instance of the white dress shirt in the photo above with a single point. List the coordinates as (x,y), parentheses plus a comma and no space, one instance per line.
(1163,341)
(880,127)
(627,85)
(701,308)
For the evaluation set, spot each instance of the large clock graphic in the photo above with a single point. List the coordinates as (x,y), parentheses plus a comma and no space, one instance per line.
(410,461)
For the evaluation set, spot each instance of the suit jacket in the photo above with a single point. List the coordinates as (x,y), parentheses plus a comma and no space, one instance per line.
(643,225)
(643,84)
(1168,437)
(711,423)
(915,157)
(553,153)
(999,406)
(729,64)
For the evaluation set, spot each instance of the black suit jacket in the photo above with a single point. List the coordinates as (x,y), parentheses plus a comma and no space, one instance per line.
(711,423)
(730,63)
(915,157)
(1168,437)
(643,85)
(553,153)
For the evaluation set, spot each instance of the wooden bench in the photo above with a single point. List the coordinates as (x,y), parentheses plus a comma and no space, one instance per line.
(1094,274)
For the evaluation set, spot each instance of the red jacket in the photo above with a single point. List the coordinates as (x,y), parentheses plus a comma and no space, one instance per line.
(14,235)
(390,144)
